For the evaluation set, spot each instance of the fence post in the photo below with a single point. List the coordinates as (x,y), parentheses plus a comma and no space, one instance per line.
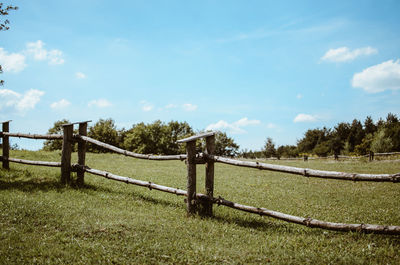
(66,154)
(191,177)
(6,145)
(210,149)
(81,154)
(371,156)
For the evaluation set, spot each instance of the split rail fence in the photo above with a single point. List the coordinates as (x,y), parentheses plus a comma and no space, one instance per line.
(196,202)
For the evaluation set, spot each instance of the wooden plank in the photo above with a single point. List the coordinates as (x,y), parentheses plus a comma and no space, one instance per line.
(81,154)
(209,182)
(191,177)
(195,137)
(66,154)
(6,145)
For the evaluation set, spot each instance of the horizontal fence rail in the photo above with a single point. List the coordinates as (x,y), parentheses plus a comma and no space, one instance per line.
(367,228)
(129,153)
(35,163)
(34,136)
(305,171)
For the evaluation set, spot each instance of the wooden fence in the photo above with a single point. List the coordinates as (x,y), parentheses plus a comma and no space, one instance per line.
(196,202)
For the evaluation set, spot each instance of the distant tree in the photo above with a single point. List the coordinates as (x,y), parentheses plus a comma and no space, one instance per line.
(52,145)
(356,135)
(369,126)
(105,131)
(287,151)
(381,143)
(365,146)
(269,148)
(4,25)
(225,146)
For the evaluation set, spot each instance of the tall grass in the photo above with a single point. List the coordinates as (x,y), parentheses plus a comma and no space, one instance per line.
(109,222)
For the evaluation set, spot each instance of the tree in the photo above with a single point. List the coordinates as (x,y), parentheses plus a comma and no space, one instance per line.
(52,145)
(225,146)
(104,131)
(381,143)
(4,25)
(369,126)
(269,148)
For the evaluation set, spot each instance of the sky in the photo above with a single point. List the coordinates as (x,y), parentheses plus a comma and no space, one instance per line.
(253,69)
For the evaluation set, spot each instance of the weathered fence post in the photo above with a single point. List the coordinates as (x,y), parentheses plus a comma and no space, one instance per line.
(210,149)
(66,153)
(191,172)
(81,154)
(6,145)
(371,156)
(191,177)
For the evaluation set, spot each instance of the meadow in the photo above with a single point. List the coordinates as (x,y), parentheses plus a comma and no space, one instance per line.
(108,222)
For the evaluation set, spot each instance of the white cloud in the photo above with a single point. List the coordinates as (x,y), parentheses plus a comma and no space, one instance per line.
(378,78)
(41,54)
(80,75)
(100,103)
(146,106)
(272,126)
(171,106)
(189,107)
(299,96)
(344,54)
(305,118)
(14,62)
(63,103)
(235,127)
(20,102)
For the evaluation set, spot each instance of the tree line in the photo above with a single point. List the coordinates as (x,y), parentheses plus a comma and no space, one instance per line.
(355,138)
(152,138)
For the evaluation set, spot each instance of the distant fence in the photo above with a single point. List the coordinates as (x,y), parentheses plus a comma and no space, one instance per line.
(371,156)
(196,202)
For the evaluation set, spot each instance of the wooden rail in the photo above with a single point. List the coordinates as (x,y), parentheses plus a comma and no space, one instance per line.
(306,171)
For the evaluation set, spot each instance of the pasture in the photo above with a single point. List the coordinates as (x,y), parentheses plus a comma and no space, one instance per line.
(42,221)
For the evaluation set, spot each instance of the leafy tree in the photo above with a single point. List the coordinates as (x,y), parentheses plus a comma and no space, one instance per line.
(381,143)
(365,146)
(287,151)
(52,145)
(104,131)
(4,25)
(269,148)
(225,146)
(369,126)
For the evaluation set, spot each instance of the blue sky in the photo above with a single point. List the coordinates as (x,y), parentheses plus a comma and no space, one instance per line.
(254,69)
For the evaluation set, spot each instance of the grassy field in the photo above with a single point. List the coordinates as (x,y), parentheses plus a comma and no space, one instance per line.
(110,222)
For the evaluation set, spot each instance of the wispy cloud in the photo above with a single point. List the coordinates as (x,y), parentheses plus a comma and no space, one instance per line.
(378,78)
(344,54)
(189,107)
(80,75)
(12,62)
(146,106)
(235,127)
(100,103)
(305,118)
(37,50)
(63,103)
(19,102)
(299,96)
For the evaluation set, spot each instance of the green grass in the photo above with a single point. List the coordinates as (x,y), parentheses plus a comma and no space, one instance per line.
(110,222)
